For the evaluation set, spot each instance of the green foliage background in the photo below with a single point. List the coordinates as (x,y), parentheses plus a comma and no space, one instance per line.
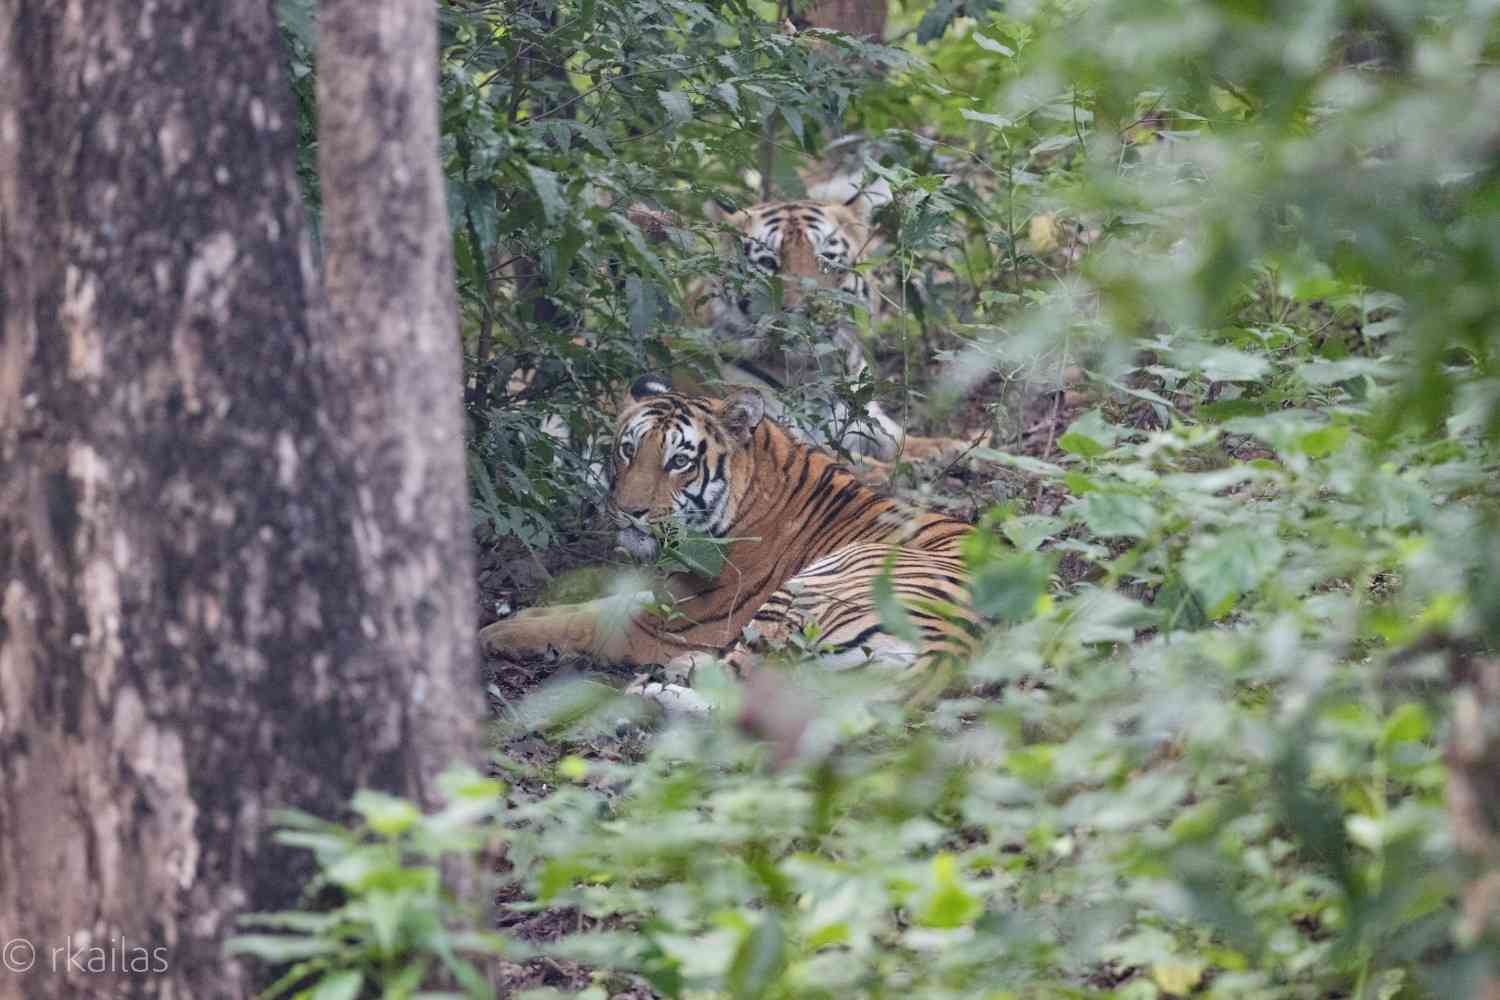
(1267,232)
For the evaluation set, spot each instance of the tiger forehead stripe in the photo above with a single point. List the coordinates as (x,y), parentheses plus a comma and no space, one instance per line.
(672,415)
(632,432)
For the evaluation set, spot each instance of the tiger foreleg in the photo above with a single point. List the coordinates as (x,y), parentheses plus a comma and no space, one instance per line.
(601,629)
(538,630)
(619,629)
(919,448)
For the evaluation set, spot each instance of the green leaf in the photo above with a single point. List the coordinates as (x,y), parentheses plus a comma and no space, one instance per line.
(990,45)
(279,948)
(1029,532)
(700,554)
(1097,615)
(1222,566)
(1177,977)
(307,923)
(356,868)
(758,961)
(679,106)
(1409,723)
(544,182)
(1078,484)
(1088,436)
(949,904)
(299,19)
(999,121)
(1110,515)
(1178,606)
(408,980)
(1033,764)
(460,782)
(344,985)
(385,911)
(644,305)
(1334,372)
(793,120)
(1323,442)
(1023,462)
(1224,364)
(1078,444)
(1314,818)
(386,814)
(936,20)
(1009,587)
(893,615)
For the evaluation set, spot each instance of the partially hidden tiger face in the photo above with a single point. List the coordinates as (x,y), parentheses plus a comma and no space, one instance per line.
(674,458)
(802,242)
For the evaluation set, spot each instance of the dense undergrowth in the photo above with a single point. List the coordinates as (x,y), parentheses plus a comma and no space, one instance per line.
(1240,262)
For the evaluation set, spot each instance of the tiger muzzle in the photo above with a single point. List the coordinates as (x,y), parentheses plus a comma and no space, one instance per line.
(639,545)
(634,537)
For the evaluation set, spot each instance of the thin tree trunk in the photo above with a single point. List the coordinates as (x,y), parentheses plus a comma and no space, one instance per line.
(1473,756)
(389,275)
(185,626)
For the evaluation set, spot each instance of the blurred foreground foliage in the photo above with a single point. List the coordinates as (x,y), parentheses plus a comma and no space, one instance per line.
(1209,759)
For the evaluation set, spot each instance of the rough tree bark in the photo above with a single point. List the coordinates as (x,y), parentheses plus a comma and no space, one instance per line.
(186,636)
(388,270)
(1473,756)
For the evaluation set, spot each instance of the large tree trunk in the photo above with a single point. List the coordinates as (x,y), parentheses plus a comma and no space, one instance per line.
(187,637)
(389,274)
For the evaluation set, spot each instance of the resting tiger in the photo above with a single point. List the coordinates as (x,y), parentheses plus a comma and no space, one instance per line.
(805,541)
(810,246)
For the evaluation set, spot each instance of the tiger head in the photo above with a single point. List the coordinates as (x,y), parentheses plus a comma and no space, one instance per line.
(807,244)
(676,458)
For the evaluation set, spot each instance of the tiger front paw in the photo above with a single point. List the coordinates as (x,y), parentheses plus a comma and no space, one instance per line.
(919,449)
(519,635)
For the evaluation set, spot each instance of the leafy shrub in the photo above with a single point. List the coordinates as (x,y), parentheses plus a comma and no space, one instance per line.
(1259,239)
(394,926)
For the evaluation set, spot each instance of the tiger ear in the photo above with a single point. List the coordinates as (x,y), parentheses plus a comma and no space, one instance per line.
(744,409)
(719,209)
(867,199)
(650,384)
